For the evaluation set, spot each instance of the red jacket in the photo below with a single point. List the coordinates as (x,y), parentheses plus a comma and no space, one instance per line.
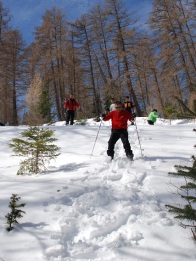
(71,105)
(119,119)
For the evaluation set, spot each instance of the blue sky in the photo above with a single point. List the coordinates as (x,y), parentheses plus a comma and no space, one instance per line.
(27,14)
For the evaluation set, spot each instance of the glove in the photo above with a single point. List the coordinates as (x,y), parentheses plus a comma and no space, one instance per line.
(133,115)
(103,115)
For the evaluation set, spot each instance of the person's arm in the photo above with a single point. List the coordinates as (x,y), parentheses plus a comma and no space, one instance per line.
(130,118)
(77,104)
(107,117)
(65,104)
(155,114)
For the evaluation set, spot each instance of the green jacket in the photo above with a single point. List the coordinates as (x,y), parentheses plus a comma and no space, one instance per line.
(153,116)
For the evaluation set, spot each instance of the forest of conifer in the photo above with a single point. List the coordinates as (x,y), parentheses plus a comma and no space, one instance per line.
(104,53)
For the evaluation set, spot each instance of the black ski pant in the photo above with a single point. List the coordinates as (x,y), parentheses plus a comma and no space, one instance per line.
(150,122)
(70,117)
(115,136)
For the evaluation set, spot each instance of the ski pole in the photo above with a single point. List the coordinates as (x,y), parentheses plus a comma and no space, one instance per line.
(96,136)
(138,138)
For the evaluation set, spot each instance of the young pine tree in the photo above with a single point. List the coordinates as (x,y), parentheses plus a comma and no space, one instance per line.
(38,148)
(187,212)
(170,113)
(15,213)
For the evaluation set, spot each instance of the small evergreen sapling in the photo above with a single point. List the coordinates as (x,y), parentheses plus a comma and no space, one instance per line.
(37,148)
(15,213)
(170,113)
(187,212)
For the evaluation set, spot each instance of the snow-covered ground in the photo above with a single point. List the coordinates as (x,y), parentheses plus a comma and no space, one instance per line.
(89,208)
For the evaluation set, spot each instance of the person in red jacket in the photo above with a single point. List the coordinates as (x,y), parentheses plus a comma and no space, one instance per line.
(119,119)
(71,105)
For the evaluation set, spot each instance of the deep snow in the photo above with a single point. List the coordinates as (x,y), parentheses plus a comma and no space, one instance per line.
(91,208)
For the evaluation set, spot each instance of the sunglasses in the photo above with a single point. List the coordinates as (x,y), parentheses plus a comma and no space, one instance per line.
(118,107)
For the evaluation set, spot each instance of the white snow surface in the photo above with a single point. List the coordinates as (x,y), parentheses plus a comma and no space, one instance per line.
(87,207)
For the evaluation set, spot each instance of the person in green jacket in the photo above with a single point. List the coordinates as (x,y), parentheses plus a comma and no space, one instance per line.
(152,117)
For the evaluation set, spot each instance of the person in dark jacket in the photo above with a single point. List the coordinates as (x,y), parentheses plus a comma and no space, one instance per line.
(128,106)
(71,104)
(119,119)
